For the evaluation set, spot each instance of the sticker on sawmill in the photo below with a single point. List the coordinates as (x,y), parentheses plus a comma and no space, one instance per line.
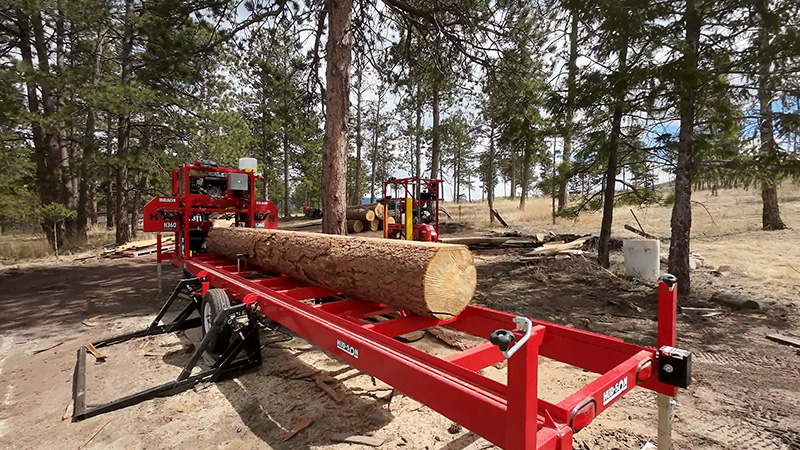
(259,224)
(167,199)
(349,349)
(615,391)
(170,225)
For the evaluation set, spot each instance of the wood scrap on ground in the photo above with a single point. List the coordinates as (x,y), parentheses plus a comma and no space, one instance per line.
(36,352)
(90,321)
(356,439)
(322,380)
(554,248)
(785,340)
(298,426)
(95,352)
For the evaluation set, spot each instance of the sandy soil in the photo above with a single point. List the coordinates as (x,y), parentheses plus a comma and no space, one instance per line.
(744,395)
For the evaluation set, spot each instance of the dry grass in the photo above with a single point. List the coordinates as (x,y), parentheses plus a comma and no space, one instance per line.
(733,237)
(15,248)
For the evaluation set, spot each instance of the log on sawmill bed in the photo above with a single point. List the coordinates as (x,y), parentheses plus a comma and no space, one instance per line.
(426,278)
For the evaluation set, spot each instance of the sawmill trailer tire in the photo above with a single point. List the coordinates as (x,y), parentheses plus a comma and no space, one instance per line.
(214,302)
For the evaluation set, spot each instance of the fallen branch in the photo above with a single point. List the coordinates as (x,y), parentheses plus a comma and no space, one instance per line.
(709,215)
(36,352)
(497,215)
(641,233)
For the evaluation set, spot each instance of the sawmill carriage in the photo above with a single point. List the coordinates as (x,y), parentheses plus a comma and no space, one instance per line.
(232,299)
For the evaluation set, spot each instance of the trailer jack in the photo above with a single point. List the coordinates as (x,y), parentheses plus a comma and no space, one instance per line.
(245,338)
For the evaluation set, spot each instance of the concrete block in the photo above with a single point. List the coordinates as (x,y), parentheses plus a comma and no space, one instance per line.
(642,258)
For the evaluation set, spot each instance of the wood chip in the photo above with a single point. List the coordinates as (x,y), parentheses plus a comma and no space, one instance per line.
(67,412)
(356,439)
(95,352)
(298,426)
(90,321)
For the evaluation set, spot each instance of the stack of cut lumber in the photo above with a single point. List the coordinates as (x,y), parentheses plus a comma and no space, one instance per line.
(138,248)
(367,217)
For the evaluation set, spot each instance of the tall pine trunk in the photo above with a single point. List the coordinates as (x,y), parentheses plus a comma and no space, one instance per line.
(604,250)
(337,105)
(572,71)
(285,139)
(85,186)
(490,174)
(123,135)
(526,176)
(681,221)
(418,138)
(436,144)
(770,213)
(357,181)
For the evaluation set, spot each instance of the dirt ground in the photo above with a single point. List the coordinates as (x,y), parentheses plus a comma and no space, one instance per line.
(744,396)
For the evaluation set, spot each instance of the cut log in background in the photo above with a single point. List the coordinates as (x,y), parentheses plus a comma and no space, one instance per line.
(426,278)
(360,212)
(355,226)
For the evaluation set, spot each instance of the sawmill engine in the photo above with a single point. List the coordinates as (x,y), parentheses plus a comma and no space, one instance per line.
(204,192)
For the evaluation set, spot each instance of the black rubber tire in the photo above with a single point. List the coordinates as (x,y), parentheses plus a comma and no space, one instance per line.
(214,302)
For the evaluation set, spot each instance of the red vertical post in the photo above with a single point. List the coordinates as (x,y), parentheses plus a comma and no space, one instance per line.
(522,396)
(667,311)
(187,212)
(251,213)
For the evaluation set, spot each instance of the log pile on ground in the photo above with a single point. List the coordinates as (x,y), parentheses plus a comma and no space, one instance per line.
(558,249)
(370,217)
(426,278)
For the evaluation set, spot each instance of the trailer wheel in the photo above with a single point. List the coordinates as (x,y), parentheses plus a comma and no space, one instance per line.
(214,302)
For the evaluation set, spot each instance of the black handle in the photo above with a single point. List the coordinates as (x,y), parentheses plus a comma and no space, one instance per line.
(502,338)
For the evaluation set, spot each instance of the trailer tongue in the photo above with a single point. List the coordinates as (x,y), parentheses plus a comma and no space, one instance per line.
(235,300)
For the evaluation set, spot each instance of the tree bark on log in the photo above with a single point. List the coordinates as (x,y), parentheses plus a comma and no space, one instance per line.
(426,278)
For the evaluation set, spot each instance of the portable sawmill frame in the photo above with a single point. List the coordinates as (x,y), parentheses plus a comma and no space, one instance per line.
(509,415)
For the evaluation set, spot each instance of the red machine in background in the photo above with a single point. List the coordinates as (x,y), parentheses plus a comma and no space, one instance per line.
(416,213)
(201,191)
(233,302)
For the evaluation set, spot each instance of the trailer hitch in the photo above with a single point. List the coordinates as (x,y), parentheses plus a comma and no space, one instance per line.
(504,339)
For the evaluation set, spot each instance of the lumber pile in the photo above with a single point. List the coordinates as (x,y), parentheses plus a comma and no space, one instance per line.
(138,248)
(559,249)
(426,278)
(367,217)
